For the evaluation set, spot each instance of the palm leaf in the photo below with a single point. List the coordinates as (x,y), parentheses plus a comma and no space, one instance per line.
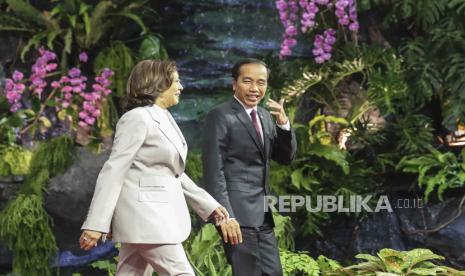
(302,84)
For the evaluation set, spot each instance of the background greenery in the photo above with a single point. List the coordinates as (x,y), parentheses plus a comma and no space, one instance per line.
(396,89)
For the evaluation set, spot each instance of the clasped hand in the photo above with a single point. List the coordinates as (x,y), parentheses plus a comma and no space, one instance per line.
(230,228)
(231,232)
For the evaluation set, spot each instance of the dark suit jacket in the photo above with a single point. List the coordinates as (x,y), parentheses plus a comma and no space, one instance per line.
(236,164)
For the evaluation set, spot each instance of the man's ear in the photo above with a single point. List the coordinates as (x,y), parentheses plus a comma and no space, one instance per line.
(234,85)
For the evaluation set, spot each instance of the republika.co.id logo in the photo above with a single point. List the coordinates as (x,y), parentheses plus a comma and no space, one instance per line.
(340,204)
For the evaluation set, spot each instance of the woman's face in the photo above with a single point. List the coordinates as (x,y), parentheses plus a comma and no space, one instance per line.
(171,96)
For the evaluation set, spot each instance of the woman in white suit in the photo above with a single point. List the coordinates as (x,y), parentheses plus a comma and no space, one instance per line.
(142,190)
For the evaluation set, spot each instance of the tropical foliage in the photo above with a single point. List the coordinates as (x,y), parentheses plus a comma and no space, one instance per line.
(114,34)
(46,109)
(391,262)
(26,226)
(436,170)
(382,104)
(386,103)
(71,25)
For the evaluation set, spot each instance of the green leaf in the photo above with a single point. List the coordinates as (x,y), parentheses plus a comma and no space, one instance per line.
(83,8)
(51,103)
(33,41)
(11,22)
(134,17)
(457,5)
(28,11)
(118,58)
(51,38)
(331,153)
(97,24)
(152,48)
(15,120)
(68,41)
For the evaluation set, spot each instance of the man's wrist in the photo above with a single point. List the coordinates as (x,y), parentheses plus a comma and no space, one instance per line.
(285,126)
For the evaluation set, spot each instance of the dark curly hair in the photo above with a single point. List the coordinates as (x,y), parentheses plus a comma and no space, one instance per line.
(148,79)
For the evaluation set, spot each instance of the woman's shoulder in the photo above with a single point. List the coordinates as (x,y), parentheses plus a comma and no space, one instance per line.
(135,114)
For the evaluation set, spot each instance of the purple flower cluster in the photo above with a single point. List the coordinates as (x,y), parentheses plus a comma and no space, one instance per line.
(14,90)
(310,9)
(40,69)
(91,105)
(345,11)
(288,15)
(73,83)
(69,91)
(323,46)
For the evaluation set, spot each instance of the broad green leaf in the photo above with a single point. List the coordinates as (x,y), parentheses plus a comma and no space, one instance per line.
(152,48)
(331,153)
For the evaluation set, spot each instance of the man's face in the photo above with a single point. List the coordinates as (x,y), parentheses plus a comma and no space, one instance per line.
(251,84)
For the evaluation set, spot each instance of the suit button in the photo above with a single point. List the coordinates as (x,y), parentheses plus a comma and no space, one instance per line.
(177,175)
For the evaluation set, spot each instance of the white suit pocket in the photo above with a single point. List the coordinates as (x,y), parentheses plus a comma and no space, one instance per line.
(154,188)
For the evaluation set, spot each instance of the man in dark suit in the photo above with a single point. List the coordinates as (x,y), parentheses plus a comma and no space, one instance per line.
(240,139)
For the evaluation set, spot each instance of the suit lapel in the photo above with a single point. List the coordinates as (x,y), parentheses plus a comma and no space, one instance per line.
(170,131)
(266,130)
(247,122)
(181,136)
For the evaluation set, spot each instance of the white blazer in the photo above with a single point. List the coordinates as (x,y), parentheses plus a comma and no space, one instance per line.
(141,191)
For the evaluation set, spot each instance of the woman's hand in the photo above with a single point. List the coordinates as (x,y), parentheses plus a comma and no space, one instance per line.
(219,215)
(89,239)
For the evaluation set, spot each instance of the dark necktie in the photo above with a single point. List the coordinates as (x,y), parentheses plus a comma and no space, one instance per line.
(253,114)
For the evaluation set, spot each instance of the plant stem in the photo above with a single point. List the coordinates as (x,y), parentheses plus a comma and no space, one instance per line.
(42,107)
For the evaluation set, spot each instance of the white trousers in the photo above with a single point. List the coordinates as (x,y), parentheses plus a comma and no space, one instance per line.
(142,259)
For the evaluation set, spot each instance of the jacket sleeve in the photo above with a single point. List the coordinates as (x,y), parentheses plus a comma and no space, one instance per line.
(213,156)
(199,200)
(130,135)
(284,145)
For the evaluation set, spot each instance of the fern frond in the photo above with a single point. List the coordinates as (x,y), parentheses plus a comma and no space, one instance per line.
(119,58)
(345,69)
(453,105)
(33,41)
(445,34)
(28,11)
(298,262)
(301,85)
(425,13)
(10,22)
(422,72)
(414,133)
(98,26)
(457,5)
